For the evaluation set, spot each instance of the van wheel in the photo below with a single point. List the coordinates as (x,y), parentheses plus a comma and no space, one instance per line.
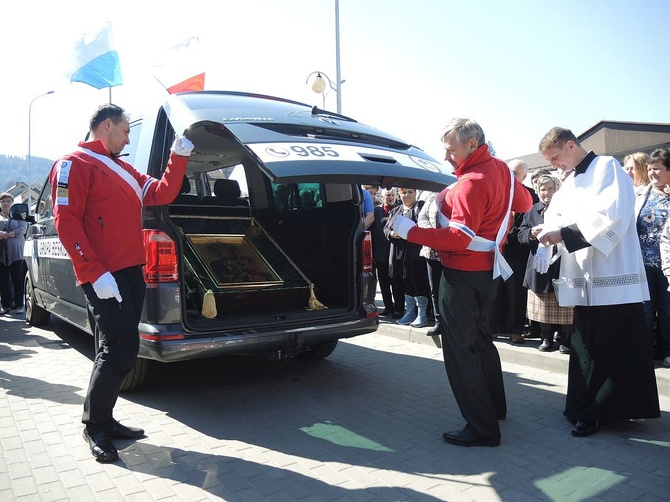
(318,351)
(137,376)
(35,315)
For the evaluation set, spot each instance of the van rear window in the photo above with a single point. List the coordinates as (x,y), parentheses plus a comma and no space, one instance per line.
(293,196)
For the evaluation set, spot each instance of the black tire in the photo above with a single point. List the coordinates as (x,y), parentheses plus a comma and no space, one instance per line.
(35,315)
(318,351)
(137,376)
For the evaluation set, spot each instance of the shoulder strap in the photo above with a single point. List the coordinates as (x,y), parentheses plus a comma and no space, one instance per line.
(122,173)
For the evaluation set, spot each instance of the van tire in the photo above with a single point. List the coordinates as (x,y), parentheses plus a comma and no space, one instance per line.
(318,351)
(137,376)
(35,315)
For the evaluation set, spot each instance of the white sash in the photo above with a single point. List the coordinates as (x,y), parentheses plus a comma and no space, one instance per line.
(122,173)
(500,265)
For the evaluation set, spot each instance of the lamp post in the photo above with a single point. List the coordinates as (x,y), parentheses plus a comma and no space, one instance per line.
(319,84)
(30,107)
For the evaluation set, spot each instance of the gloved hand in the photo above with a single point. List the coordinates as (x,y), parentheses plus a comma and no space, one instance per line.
(182,146)
(402,225)
(106,287)
(542,259)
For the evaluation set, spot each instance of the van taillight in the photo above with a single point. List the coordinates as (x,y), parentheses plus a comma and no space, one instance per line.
(161,256)
(367,252)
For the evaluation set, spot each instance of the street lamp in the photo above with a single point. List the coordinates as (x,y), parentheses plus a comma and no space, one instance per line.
(30,113)
(321,83)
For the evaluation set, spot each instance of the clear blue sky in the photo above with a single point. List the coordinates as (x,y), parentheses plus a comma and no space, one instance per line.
(518,67)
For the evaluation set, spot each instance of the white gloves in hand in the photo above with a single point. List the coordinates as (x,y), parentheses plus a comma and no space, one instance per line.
(182,146)
(106,287)
(542,258)
(402,225)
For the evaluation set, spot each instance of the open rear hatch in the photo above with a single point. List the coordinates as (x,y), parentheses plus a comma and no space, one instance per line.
(271,264)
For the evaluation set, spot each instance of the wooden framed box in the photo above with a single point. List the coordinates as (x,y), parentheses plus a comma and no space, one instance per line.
(233,261)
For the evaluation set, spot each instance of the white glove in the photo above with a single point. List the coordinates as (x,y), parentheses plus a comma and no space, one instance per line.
(182,146)
(542,259)
(402,225)
(106,287)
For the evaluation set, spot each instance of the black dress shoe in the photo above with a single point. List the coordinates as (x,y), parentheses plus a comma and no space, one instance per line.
(397,315)
(465,437)
(101,446)
(434,331)
(386,312)
(546,346)
(583,429)
(120,431)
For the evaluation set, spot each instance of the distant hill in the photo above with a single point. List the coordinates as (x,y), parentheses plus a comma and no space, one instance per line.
(15,169)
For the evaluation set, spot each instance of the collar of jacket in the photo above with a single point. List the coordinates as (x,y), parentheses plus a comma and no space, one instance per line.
(479,156)
(96,146)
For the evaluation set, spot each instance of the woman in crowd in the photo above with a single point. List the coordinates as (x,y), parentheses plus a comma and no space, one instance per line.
(12,238)
(542,306)
(635,164)
(428,219)
(652,206)
(380,255)
(405,263)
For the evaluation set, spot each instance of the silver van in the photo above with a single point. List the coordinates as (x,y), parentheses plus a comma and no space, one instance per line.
(264,250)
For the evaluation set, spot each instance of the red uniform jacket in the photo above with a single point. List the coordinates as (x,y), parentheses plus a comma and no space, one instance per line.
(475,205)
(98,213)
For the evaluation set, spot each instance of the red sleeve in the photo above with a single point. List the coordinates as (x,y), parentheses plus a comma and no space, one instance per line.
(466,213)
(69,204)
(165,190)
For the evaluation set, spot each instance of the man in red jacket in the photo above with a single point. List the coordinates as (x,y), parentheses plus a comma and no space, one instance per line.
(98,201)
(474,217)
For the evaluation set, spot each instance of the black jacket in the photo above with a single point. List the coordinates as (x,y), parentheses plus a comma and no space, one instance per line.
(537,283)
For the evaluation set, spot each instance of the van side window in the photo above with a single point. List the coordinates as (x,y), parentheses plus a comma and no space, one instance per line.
(291,196)
(44,210)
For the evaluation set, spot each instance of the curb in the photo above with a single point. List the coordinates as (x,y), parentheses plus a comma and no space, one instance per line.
(525,354)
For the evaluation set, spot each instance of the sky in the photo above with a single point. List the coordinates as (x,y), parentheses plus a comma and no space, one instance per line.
(518,67)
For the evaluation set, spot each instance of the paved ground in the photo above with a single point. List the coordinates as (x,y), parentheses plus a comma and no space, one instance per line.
(363,425)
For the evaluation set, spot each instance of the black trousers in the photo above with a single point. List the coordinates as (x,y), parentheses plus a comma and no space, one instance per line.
(119,344)
(471,359)
(434,268)
(11,292)
(382,269)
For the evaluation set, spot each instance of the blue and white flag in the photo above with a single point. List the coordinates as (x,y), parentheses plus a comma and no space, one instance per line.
(95,61)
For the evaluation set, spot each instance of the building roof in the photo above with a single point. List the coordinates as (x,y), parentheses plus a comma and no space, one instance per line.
(615,138)
(610,137)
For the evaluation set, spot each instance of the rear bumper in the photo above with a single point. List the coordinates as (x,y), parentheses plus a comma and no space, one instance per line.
(164,348)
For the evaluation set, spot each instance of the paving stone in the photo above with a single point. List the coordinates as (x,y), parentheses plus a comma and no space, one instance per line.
(366,424)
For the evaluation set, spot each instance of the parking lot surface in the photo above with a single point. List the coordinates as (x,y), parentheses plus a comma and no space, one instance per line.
(365,424)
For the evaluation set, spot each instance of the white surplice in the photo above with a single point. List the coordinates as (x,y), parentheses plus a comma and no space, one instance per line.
(601,203)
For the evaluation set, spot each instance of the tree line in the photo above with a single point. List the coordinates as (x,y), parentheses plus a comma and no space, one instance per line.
(15,169)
